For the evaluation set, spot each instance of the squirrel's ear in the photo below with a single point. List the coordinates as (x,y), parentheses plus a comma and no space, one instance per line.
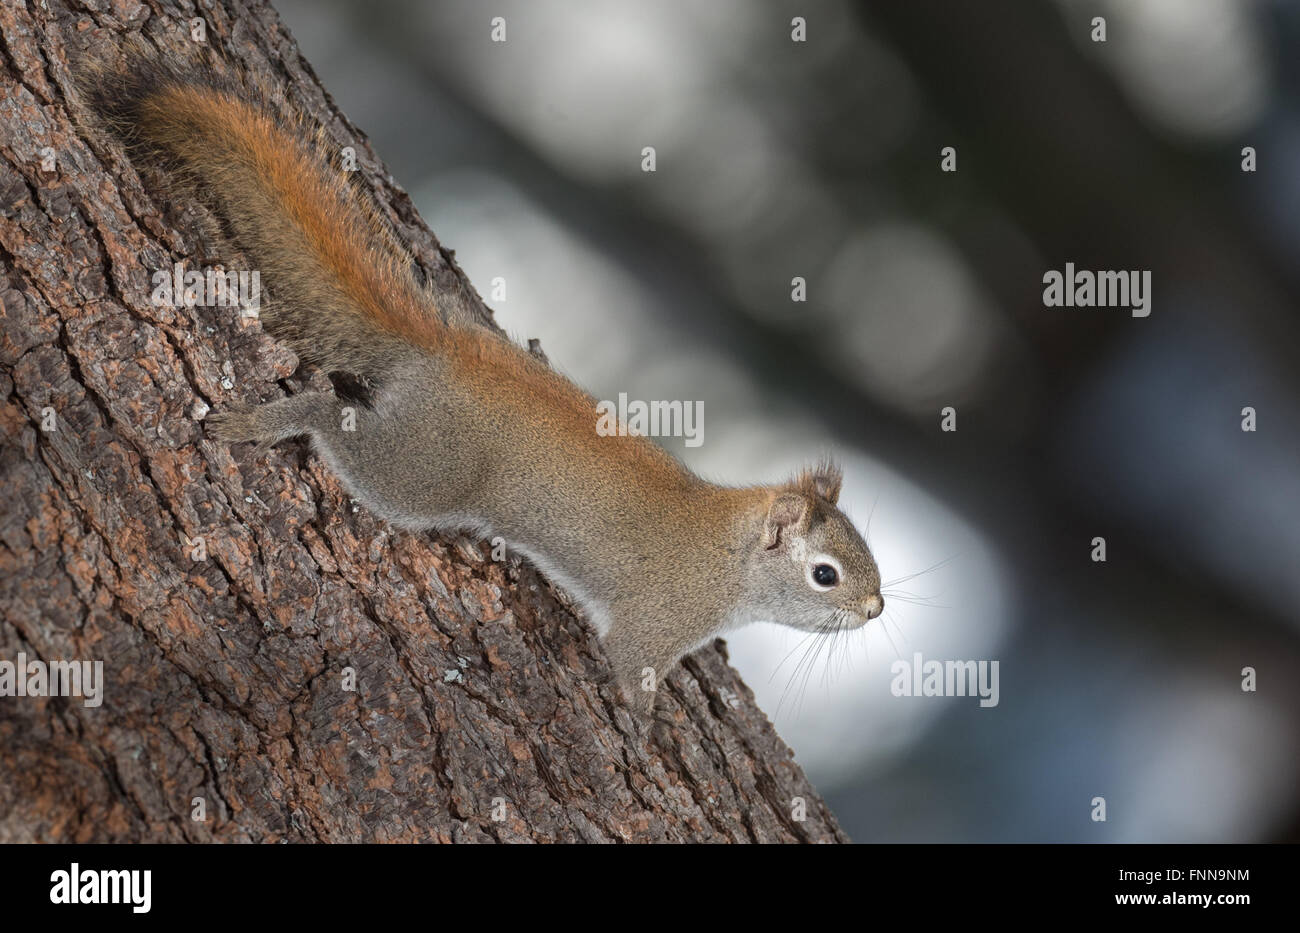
(788,513)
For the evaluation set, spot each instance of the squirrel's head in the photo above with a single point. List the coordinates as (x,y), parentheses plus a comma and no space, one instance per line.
(810,568)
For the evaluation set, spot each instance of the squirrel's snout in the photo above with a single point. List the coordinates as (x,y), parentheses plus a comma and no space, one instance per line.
(874,605)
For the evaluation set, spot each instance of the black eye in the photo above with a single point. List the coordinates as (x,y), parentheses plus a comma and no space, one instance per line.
(825,575)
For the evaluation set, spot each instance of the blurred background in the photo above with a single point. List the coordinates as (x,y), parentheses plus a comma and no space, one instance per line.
(820,159)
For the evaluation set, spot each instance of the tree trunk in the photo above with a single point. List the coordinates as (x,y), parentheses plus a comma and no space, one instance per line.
(232,600)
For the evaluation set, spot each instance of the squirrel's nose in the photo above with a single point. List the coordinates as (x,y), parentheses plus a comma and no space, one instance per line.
(874,605)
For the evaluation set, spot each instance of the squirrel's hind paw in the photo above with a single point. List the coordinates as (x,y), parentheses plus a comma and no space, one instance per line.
(239,423)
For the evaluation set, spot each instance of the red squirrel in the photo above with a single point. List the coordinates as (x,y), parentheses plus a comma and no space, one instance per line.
(463,430)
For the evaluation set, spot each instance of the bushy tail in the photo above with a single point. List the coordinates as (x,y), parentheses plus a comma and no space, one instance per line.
(338,280)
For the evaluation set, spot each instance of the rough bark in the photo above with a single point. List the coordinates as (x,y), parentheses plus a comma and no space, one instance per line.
(478,692)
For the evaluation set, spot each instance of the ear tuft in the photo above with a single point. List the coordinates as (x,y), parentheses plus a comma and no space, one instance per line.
(822,480)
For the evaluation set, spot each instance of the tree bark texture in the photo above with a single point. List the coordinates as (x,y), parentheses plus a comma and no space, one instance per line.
(480,711)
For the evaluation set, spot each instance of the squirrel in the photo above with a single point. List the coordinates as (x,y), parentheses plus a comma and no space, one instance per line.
(462,430)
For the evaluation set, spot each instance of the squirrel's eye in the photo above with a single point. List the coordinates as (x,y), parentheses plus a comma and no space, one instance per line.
(825,575)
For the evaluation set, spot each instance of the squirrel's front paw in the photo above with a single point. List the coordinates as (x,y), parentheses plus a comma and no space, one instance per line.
(642,697)
(642,702)
(639,674)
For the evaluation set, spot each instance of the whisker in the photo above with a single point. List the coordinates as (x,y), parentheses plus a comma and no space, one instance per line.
(926,602)
(812,645)
(912,576)
(796,647)
(809,662)
(884,628)
(826,646)
(890,591)
(834,641)
(846,655)
(823,645)
(899,627)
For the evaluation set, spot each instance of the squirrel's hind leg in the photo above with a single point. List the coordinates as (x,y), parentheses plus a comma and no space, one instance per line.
(275,421)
